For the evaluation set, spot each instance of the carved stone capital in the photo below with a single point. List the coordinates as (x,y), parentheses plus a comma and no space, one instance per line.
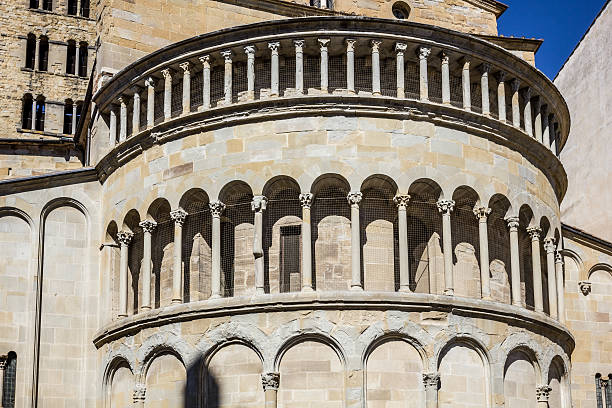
(274,47)
(354,198)
(121,101)
(431,380)
(350,44)
(446,206)
(166,73)
(139,394)
(249,50)
(543,393)
(124,237)
(485,67)
(400,47)
(375,44)
(527,94)
(515,84)
(150,82)
(534,233)
(227,56)
(444,58)
(178,216)
(185,66)
(585,287)
(148,225)
(299,45)
(270,381)
(306,199)
(423,52)
(3,360)
(482,213)
(323,43)
(501,76)
(512,222)
(402,200)
(216,208)
(259,203)
(549,245)
(205,60)
(558,258)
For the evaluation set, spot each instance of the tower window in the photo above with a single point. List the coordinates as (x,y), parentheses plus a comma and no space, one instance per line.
(33,4)
(290,258)
(83,59)
(48,5)
(400,10)
(40,113)
(9,383)
(71,57)
(30,51)
(68,117)
(72,7)
(85,8)
(43,53)
(79,107)
(26,112)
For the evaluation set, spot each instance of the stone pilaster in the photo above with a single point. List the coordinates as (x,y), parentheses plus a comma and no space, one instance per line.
(216,209)
(136,110)
(516,112)
(112,125)
(446,207)
(122,119)
(527,112)
(482,213)
(148,226)
(306,200)
(178,216)
(402,200)
(354,199)
(258,206)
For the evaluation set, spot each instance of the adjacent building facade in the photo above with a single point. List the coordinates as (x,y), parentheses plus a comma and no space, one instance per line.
(235,203)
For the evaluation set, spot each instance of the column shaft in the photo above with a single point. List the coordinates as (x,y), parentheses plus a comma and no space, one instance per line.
(432,384)
(354,199)
(402,200)
(482,214)
(74,119)
(484,86)
(258,205)
(446,96)
(527,113)
(560,287)
(299,66)
(136,113)
(227,77)
(306,201)
(270,383)
(186,88)
(205,60)
(466,85)
(323,43)
(516,111)
(178,216)
(216,209)
(122,120)
(549,247)
(537,124)
(536,267)
(274,69)
(250,52)
(423,77)
(545,127)
(113,126)
(400,48)
(270,396)
(124,238)
(350,65)
(147,227)
(501,96)
(446,207)
(375,67)
(515,268)
(150,83)
(167,93)
(33,127)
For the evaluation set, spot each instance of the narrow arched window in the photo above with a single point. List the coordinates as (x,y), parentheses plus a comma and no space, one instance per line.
(33,4)
(26,111)
(9,383)
(43,53)
(72,7)
(48,5)
(71,57)
(79,108)
(40,113)
(83,59)
(68,117)
(85,8)
(30,51)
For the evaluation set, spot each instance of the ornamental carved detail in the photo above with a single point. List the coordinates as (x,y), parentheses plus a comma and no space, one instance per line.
(431,380)
(543,393)
(205,60)
(306,199)
(139,393)
(274,47)
(124,237)
(400,47)
(513,222)
(167,74)
(424,52)
(216,208)
(350,44)
(250,50)
(402,200)
(227,55)
(178,216)
(549,245)
(354,198)
(446,206)
(259,203)
(3,360)
(585,287)
(482,213)
(270,381)
(558,258)
(299,45)
(534,232)
(375,45)
(185,66)
(148,225)
(323,43)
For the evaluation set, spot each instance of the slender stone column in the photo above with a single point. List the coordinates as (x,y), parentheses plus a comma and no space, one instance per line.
(148,226)
(139,394)
(536,266)
(323,43)
(216,209)
(122,119)
(270,383)
(250,52)
(446,208)
(3,361)
(542,395)
(306,202)
(545,127)
(400,48)
(186,87)
(551,133)
(423,53)
(150,84)
(537,123)
(482,213)
(501,95)
(205,60)
(446,96)
(299,66)
(402,200)
(466,84)
(74,122)
(432,384)
(549,247)
(560,287)
(274,70)
(516,112)
(33,127)
(527,112)
(124,238)
(258,205)
(484,86)
(136,111)
(350,65)
(515,267)
(376,67)
(227,77)
(167,93)
(178,216)
(113,126)
(354,198)
(37,49)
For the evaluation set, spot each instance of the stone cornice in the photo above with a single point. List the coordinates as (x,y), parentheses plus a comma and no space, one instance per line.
(513,43)
(63,178)
(345,300)
(493,6)
(290,9)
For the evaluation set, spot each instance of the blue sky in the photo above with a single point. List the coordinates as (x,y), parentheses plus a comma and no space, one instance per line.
(560,23)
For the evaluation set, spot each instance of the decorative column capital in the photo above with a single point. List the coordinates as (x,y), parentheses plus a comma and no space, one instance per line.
(558,258)
(402,200)
(135,89)
(444,58)
(299,45)
(274,47)
(446,206)
(543,393)
(501,76)
(431,380)
(375,45)
(534,233)
(400,47)
(549,245)
(259,203)
(148,225)
(140,391)
(354,198)
(270,381)
(185,66)
(124,237)
(150,82)
(205,60)
(350,44)
(512,222)
(515,84)
(250,50)
(323,43)
(485,67)
(527,94)
(227,56)
(166,73)
(482,213)
(423,52)
(465,62)
(306,199)
(121,100)
(585,287)
(178,216)
(216,208)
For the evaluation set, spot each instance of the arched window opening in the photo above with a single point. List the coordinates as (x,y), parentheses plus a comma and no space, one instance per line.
(68,117)
(72,7)
(71,57)
(9,383)
(33,4)
(43,53)
(40,113)
(48,5)
(30,51)
(26,112)
(83,59)
(324,4)
(85,8)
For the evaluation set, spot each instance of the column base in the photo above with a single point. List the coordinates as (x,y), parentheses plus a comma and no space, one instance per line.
(449,292)
(356,287)
(176,301)
(307,289)
(122,315)
(260,291)
(215,296)
(145,308)
(405,289)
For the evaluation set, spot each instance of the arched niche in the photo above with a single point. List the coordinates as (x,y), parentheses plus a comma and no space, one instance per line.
(166,382)
(464,376)
(520,380)
(121,387)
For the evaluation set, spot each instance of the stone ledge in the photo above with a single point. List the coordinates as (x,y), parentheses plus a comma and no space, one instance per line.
(341,300)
